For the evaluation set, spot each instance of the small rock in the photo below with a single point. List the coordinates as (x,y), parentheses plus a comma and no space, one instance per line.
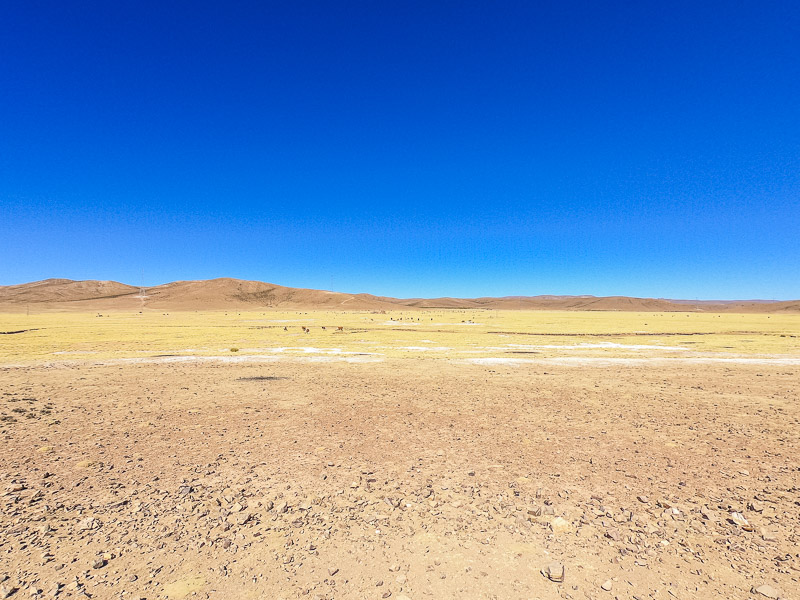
(768,536)
(283,507)
(98,563)
(560,525)
(400,579)
(739,520)
(89,523)
(767,591)
(333,571)
(606,586)
(6,591)
(643,499)
(554,572)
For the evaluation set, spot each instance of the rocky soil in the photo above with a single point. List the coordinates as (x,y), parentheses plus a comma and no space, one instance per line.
(406,479)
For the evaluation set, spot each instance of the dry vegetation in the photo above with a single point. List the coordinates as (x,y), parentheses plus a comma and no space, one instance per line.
(415,454)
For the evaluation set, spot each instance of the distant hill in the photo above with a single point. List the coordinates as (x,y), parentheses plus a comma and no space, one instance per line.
(51,291)
(231,294)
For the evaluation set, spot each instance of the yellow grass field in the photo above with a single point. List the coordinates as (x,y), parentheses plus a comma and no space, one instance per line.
(512,336)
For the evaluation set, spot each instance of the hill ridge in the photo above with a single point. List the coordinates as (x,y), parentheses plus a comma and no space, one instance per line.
(230,293)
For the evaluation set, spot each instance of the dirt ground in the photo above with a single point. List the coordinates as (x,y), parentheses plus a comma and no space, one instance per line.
(405,477)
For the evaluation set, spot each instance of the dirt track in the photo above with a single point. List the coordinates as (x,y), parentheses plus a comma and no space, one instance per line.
(407,478)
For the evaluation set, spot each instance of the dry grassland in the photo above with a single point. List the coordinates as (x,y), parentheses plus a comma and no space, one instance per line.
(420,454)
(439,333)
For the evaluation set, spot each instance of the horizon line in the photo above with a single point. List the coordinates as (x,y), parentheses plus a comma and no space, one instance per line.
(438,297)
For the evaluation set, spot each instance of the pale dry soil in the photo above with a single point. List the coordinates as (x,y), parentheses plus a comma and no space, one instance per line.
(408,478)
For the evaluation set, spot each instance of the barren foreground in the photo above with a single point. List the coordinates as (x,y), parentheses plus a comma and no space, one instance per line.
(400,477)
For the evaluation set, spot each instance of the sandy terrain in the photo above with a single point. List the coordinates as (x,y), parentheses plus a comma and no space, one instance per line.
(468,455)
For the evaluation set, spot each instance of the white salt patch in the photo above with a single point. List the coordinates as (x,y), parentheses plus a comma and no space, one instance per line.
(309,350)
(366,358)
(600,361)
(423,348)
(587,346)
(496,361)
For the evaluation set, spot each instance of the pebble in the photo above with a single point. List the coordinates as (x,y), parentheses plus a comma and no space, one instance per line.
(6,591)
(768,536)
(560,525)
(89,523)
(606,586)
(554,572)
(98,563)
(767,591)
(740,520)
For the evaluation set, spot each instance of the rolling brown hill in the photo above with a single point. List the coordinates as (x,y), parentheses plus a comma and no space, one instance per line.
(237,294)
(51,291)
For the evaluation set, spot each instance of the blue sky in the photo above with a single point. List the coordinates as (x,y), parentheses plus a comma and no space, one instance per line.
(405,148)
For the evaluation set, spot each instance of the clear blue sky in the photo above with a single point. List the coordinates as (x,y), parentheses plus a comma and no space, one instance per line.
(405,148)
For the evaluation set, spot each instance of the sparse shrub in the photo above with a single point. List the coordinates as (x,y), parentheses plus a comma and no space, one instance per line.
(234,349)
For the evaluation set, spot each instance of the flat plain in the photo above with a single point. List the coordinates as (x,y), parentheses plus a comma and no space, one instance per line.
(402,454)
